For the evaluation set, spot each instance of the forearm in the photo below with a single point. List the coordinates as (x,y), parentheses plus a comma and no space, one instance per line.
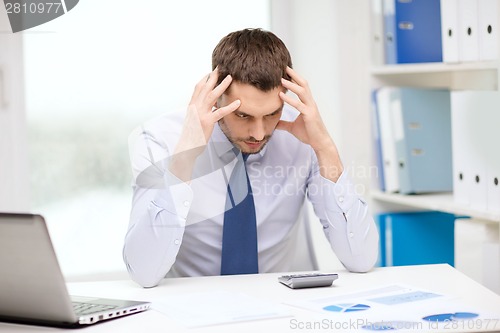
(149,251)
(155,234)
(354,237)
(330,165)
(182,164)
(347,224)
(191,144)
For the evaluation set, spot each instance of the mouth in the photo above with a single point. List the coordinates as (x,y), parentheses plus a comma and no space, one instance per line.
(253,144)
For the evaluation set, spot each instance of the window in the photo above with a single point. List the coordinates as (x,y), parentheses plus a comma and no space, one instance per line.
(92,76)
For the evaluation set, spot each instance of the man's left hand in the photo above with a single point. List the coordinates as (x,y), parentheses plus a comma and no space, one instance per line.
(308,127)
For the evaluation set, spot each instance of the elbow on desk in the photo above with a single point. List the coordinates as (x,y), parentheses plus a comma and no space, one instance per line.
(139,277)
(143,281)
(363,264)
(147,284)
(359,268)
(365,259)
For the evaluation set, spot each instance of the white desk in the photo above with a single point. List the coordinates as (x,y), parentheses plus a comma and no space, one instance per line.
(439,278)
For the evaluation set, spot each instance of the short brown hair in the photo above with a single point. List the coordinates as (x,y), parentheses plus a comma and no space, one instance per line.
(252,56)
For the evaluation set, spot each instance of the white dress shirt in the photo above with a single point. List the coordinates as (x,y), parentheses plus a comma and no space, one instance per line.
(176,227)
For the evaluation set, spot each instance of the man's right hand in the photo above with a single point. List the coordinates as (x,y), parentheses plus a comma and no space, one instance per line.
(203,109)
(201,116)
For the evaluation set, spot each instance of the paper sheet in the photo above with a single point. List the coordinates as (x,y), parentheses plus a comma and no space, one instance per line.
(402,308)
(217,307)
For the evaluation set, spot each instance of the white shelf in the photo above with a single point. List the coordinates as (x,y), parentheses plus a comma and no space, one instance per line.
(434,67)
(439,201)
(460,76)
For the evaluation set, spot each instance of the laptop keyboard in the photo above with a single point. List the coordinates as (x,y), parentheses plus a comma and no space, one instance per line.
(89,308)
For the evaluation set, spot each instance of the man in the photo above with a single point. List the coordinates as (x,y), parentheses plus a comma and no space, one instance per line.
(218,190)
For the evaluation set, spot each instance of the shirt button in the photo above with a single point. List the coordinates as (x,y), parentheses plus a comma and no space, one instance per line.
(351,234)
(177,242)
(341,199)
(186,203)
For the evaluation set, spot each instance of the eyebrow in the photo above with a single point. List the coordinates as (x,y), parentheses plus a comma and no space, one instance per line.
(249,115)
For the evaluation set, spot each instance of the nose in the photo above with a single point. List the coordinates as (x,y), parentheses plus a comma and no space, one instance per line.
(258,130)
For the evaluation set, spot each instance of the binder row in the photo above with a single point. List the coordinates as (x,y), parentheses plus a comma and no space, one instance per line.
(401,233)
(432,140)
(475,125)
(417,31)
(413,140)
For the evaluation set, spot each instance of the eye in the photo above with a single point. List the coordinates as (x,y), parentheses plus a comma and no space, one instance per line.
(241,115)
(275,113)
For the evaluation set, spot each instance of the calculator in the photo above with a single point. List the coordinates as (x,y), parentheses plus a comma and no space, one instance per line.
(309,280)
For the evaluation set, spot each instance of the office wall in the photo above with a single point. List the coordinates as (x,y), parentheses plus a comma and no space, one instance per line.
(91,78)
(14,183)
(329,44)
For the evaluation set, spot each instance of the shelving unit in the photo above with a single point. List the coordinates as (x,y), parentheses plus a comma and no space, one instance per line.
(470,76)
(481,75)
(434,67)
(438,201)
(459,76)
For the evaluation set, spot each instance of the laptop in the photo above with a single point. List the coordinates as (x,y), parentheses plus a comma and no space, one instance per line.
(32,286)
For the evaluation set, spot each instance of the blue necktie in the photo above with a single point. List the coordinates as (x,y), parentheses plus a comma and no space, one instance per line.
(239,238)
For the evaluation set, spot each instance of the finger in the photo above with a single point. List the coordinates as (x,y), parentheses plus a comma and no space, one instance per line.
(224,111)
(199,86)
(292,86)
(217,92)
(296,77)
(210,81)
(302,92)
(296,103)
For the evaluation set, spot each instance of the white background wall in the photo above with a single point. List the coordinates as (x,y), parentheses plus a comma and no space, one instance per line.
(14,182)
(91,76)
(329,44)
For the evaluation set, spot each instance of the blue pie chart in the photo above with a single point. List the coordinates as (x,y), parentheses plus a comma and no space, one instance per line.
(346,307)
(442,317)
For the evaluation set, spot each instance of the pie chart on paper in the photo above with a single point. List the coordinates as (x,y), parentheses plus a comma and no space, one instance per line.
(346,307)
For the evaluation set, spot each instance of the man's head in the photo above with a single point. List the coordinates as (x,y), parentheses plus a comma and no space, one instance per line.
(256,60)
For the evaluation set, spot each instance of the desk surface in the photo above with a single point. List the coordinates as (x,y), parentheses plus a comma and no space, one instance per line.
(438,278)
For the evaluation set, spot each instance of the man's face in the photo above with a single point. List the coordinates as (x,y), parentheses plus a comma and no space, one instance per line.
(252,124)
